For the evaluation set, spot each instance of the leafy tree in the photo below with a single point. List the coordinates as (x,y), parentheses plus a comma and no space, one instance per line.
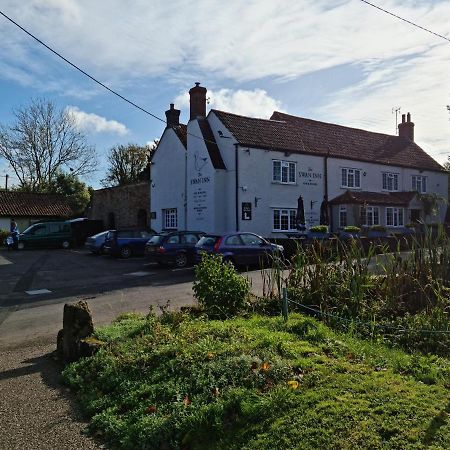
(128,164)
(42,142)
(77,193)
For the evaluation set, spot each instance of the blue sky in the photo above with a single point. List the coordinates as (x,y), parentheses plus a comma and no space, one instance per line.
(337,61)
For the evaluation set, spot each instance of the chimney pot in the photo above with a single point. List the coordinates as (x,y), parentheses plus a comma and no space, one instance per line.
(172,117)
(197,101)
(406,128)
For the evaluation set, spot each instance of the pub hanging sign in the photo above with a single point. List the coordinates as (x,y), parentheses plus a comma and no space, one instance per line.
(246,211)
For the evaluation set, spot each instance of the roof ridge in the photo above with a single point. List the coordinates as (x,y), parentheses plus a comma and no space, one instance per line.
(247,117)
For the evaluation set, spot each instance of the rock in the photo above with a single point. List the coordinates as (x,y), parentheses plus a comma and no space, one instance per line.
(77,325)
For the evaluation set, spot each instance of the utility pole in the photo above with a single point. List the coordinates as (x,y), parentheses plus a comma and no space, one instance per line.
(396,110)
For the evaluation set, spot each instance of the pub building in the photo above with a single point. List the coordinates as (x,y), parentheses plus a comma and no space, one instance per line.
(227,172)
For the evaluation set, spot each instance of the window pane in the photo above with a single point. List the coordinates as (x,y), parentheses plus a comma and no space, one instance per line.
(344,177)
(376,216)
(350,178)
(284,173)
(389,217)
(424,185)
(277,171)
(276,219)
(291,172)
(357,178)
(292,221)
(385,181)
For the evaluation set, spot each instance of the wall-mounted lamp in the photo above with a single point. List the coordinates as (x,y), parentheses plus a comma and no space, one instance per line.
(257,199)
(312,203)
(247,150)
(244,188)
(364,174)
(287,154)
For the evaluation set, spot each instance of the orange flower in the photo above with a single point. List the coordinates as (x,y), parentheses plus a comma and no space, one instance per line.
(186,400)
(151,409)
(293,384)
(265,366)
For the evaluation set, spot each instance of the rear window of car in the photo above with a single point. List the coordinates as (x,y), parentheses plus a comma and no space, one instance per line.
(207,241)
(156,240)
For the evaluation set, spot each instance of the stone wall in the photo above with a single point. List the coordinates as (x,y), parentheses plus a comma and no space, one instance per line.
(122,206)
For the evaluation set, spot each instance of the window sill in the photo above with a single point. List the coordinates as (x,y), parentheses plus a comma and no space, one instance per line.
(284,184)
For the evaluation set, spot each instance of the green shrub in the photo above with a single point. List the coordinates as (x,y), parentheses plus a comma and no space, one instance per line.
(352,229)
(3,235)
(319,229)
(377,228)
(219,289)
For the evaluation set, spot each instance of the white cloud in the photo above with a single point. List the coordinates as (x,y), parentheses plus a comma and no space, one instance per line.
(94,123)
(237,42)
(256,103)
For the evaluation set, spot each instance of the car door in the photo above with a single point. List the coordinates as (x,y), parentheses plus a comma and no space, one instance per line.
(233,249)
(35,237)
(172,245)
(189,241)
(255,247)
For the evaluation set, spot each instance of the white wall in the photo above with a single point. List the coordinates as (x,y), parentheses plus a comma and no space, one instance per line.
(167,174)
(255,181)
(372,181)
(201,184)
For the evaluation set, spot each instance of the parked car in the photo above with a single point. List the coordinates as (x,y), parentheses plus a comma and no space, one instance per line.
(47,234)
(83,227)
(177,247)
(126,243)
(241,248)
(96,243)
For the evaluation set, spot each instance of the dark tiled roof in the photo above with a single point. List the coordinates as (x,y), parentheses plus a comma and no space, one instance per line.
(374,198)
(211,145)
(26,204)
(181,132)
(295,134)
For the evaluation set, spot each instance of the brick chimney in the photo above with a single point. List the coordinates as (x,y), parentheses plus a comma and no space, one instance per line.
(406,128)
(172,116)
(197,96)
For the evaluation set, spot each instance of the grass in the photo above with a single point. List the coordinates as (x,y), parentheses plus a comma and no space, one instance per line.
(258,383)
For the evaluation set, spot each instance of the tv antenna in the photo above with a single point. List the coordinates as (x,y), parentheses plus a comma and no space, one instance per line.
(396,111)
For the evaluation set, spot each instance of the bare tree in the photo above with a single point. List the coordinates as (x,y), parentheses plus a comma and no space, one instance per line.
(128,164)
(43,142)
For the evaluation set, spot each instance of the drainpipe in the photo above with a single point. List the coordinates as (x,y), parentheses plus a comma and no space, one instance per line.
(236,166)
(185,191)
(325,175)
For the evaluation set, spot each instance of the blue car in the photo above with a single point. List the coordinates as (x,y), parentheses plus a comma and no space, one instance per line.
(177,247)
(96,243)
(126,243)
(240,248)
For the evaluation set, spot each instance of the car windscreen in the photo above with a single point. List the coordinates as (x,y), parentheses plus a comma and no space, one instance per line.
(156,240)
(207,241)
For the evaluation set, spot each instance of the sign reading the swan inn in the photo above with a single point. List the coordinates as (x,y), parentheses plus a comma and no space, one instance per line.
(309,177)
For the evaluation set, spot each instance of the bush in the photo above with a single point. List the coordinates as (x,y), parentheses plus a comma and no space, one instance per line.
(219,289)
(3,235)
(352,229)
(319,229)
(377,228)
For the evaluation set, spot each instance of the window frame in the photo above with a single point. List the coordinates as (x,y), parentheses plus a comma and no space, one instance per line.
(423,183)
(395,216)
(372,212)
(350,171)
(386,176)
(170,218)
(291,169)
(290,214)
(343,211)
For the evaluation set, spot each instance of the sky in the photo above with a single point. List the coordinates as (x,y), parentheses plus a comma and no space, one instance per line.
(338,61)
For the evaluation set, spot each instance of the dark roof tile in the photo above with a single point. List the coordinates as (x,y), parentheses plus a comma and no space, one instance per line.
(25,204)
(298,135)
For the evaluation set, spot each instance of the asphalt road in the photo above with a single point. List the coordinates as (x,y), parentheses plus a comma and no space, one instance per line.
(35,284)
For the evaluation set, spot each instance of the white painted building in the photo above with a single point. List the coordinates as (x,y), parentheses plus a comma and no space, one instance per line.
(240,173)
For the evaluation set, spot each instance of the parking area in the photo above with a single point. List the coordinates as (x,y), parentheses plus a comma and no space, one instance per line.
(34,276)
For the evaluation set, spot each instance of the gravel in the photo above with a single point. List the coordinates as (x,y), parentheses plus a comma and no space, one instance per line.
(36,410)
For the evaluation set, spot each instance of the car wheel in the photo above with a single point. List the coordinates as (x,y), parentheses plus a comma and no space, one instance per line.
(125,252)
(66,244)
(181,260)
(21,245)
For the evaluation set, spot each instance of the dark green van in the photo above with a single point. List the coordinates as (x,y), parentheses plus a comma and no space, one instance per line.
(47,234)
